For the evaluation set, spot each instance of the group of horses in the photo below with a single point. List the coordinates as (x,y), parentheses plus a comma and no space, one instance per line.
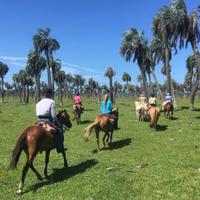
(36,138)
(144,112)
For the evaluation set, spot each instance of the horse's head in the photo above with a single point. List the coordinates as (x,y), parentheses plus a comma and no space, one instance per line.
(64,118)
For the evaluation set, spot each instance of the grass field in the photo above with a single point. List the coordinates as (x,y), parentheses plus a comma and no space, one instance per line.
(141,163)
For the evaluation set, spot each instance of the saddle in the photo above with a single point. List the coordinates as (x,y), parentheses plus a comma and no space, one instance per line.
(50,127)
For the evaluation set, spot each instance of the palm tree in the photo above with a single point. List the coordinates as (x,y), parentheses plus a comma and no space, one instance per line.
(43,43)
(110,73)
(69,80)
(55,66)
(79,82)
(139,80)
(126,78)
(92,86)
(60,80)
(134,47)
(35,65)
(3,71)
(192,37)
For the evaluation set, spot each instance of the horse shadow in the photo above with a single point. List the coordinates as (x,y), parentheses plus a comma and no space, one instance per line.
(184,108)
(161,127)
(174,118)
(86,121)
(65,173)
(197,117)
(116,145)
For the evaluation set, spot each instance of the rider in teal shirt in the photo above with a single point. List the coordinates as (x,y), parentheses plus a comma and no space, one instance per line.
(106,105)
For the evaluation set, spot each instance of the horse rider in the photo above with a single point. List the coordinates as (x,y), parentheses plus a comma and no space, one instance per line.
(152,101)
(142,99)
(46,112)
(107,109)
(168,99)
(77,101)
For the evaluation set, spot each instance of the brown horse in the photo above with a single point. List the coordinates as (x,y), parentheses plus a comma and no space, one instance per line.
(168,110)
(105,123)
(33,140)
(154,113)
(77,111)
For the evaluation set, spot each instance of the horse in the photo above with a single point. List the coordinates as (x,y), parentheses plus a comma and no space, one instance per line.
(141,111)
(33,140)
(77,111)
(154,113)
(105,123)
(168,110)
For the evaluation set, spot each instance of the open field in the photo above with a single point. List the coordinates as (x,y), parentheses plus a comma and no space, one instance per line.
(141,163)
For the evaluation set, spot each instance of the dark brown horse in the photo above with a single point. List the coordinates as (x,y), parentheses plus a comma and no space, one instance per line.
(168,110)
(36,139)
(105,123)
(77,111)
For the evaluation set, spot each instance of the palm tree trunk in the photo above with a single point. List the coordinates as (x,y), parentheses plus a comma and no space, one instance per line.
(166,65)
(144,79)
(27,94)
(48,71)
(37,89)
(196,84)
(111,89)
(2,85)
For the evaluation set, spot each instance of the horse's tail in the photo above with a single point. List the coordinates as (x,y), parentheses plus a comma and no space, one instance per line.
(87,131)
(21,142)
(156,116)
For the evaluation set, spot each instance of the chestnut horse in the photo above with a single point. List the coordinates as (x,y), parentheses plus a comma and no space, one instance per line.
(154,113)
(168,110)
(33,140)
(105,123)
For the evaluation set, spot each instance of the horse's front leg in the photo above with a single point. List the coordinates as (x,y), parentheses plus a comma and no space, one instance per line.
(104,137)
(65,159)
(111,135)
(46,163)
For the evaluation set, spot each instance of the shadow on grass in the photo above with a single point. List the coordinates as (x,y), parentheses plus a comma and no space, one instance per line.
(161,127)
(88,109)
(86,121)
(116,145)
(62,174)
(174,118)
(183,108)
(197,117)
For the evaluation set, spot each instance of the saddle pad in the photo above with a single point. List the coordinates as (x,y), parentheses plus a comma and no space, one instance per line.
(49,129)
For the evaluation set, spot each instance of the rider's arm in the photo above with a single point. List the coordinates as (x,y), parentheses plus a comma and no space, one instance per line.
(53,111)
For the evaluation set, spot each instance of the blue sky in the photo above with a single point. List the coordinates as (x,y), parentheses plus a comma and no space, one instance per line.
(89,32)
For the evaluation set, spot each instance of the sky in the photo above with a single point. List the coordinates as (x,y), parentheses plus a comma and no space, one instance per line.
(89,33)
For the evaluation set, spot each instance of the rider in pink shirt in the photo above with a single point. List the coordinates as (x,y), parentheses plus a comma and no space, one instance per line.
(77,101)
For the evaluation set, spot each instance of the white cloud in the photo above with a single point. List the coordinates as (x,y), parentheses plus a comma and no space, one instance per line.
(82,68)
(10,58)
(70,70)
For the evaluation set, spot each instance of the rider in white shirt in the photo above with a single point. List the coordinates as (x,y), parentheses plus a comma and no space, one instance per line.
(46,111)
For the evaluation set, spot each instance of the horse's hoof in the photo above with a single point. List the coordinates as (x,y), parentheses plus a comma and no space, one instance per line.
(19,192)
(39,178)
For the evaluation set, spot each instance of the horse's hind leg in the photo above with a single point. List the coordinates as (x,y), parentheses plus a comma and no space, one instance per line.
(46,163)
(21,183)
(111,135)
(104,137)
(97,138)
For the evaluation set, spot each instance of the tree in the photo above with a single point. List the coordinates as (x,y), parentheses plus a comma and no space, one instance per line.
(79,82)
(43,43)
(126,78)
(134,47)
(110,73)
(69,80)
(60,80)
(36,63)
(3,71)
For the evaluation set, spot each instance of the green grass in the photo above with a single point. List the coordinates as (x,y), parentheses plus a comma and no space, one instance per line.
(171,158)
